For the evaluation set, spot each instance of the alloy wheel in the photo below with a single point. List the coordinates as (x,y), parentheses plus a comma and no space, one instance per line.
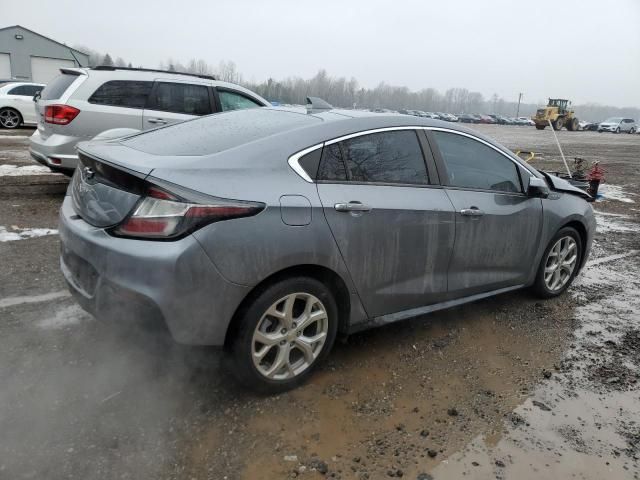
(561,262)
(9,119)
(289,336)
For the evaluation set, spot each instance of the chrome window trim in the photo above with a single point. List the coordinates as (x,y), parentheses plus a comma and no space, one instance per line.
(295,165)
(369,132)
(293,159)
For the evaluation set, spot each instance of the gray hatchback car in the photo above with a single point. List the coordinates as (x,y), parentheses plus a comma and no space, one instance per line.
(270,232)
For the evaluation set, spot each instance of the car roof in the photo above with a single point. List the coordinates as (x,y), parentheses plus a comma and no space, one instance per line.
(151,75)
(271,128)
(6,85)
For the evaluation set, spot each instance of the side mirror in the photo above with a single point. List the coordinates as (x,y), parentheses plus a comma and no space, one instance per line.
(537,188)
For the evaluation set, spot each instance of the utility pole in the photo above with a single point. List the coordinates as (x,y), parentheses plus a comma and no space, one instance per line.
(519,99)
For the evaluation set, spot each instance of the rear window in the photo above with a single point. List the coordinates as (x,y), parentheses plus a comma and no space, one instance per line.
(56,87)
(218,132)
(122,93)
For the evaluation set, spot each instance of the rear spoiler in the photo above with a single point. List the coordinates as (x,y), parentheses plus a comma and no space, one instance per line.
(73,71)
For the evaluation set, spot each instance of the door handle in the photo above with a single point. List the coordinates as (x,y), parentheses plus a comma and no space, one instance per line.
(471,212)
(352,207)
(159,121)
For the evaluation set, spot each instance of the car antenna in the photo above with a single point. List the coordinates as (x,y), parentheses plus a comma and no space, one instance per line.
(560,148)
(74,57)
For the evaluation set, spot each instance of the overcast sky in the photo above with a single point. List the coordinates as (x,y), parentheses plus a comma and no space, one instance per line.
(584,50)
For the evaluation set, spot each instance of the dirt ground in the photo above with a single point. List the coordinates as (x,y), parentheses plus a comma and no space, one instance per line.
(510,387)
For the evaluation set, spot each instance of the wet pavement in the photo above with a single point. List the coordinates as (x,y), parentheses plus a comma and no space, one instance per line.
(510,387)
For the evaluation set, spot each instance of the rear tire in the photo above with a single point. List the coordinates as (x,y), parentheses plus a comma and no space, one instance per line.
(633,130)
(284,333)
(540,127)
(10,118)
(555,274)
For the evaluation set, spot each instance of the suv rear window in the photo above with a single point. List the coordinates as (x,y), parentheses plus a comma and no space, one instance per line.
(56,87)
(122,93)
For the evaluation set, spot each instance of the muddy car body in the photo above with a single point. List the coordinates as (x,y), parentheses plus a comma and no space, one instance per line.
(270,231)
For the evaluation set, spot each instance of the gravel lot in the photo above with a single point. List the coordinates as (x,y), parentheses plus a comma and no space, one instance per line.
(510,387)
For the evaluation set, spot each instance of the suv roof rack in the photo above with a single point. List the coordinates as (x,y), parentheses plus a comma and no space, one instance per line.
(132,69)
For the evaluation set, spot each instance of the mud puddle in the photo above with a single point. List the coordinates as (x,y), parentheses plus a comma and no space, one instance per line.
(584,422)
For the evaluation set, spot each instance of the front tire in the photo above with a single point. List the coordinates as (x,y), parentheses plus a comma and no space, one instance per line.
(540,127)
(560,264)
(10,118)
(573,125)
(558,124)
(618,130)
(285,332)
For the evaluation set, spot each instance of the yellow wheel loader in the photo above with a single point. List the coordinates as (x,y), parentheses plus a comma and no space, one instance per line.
(558,113)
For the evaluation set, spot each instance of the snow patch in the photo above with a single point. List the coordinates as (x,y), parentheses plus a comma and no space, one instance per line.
(608,224)
(613,192)
(16,233)
(16,171)
(66,317)
(26,137)
(45,297)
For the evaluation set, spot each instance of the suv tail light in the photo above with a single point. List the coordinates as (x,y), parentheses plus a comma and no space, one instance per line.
(60,114)
(162,215)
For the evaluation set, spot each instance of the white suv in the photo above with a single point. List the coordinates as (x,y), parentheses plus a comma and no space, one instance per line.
(84,102)
(16,104)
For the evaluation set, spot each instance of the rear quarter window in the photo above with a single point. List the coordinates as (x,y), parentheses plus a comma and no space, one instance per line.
(56,87)
(122,93)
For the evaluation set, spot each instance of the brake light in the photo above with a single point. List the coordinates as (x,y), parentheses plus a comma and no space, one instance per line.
(162,215)
(60,114)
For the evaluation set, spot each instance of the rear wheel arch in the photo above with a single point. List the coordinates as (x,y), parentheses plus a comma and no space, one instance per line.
(326,276)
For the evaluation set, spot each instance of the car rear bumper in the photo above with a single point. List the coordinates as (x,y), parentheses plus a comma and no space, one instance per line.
(56,151)
(145,282)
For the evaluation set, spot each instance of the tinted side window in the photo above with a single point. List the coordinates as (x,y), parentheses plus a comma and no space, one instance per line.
(25,90)
(122,93)
(471,164)
(182,98)
(331,165)
(386,157)
(235,101)
(56,87)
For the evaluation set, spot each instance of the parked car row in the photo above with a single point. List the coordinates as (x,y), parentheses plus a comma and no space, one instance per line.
(494,119)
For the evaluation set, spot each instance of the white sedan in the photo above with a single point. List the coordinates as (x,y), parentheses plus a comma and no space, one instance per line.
(16,104)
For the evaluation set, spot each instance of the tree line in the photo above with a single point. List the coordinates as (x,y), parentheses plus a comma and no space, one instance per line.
(348,93)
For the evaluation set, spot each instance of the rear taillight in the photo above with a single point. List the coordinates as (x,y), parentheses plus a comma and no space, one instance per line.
(163,216)
(60,114)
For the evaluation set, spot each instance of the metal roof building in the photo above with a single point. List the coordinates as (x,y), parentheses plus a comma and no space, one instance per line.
(28,56)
